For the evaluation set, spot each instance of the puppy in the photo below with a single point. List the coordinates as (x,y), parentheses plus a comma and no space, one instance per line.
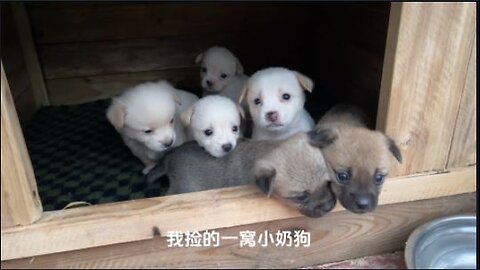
(360,158)
(221,73)
(214,122)
(293,170)
(275,99)
(145,116)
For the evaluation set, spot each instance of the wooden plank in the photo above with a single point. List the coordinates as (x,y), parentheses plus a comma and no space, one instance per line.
(385,230)
(19,189)
(30,54)
(80,22)
(424,74)
(142,55)
(85,227)
(463,150)
(84,89)
(12,54)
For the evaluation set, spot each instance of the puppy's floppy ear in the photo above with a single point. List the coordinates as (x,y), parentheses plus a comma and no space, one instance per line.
(264,176)
(186,116)
(392,146)
(321,137)
(116,114)
(199,58)
(304,81)
(238,67)
(243,93)
(241,111)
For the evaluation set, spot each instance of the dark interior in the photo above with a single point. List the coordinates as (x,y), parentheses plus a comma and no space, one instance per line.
(92,51)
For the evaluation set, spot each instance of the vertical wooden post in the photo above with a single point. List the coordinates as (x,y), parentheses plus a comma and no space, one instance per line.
(20,200)
(426,59)
(30,54)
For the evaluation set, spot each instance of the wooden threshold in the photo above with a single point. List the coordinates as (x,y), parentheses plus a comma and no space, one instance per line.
(121,222)
(338,236)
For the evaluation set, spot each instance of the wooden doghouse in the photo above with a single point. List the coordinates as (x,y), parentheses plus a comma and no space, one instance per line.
(411,66)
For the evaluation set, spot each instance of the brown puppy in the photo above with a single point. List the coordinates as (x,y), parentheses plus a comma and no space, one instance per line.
(360,158)
(296,173)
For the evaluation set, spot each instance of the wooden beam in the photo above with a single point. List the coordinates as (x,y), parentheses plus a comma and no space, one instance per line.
(30,53)
(463,150)
(331,238)
(426,58)
(20,201)
(120,222)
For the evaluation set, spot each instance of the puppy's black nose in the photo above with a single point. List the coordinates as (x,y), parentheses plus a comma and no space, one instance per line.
(227,147)
(209,83)
(363,202)
(168,144)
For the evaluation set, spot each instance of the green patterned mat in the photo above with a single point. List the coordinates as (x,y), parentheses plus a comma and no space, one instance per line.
(78,156)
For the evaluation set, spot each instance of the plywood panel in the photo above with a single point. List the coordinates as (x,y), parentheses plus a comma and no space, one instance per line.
(85,227)
(464,144)
(19,189)
(84,89)
(385,230)
(79,22)
(141,55)
(423,79)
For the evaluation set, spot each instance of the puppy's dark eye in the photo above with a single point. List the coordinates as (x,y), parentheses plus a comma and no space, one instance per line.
(223,76)
(235,128)
(378,178)
(148,131)
(204,69)
(286,96)
(302,198)
(208,132)
(257,101)
(171,121)
(343,177)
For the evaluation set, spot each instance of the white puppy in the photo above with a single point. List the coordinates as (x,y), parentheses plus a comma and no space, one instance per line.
(145,116)
(221,73)
(275,99)
(214,122)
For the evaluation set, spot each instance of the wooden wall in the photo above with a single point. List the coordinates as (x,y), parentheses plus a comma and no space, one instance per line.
(95,50)
(15,66)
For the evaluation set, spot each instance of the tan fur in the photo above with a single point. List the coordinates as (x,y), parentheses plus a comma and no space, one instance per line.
(116,115)
(299,167)
(360,151)
(304,81)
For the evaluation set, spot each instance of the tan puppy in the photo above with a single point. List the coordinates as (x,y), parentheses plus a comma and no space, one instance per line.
(291,170)
(296,173)
(360,158)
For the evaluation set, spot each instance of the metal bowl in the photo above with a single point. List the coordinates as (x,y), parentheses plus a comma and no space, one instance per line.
(448,242)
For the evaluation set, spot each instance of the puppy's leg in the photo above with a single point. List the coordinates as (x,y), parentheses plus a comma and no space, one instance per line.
(148,167)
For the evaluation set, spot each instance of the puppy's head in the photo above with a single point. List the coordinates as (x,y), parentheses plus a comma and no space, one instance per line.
(297,174)
(215,123)
(360,159)
(146,113)
(275,97)
(217,67)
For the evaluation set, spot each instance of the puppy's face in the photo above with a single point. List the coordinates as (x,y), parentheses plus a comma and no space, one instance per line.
(360,160)
(217,67)
(297,174)
(215,124)
(275,97)
(146,115)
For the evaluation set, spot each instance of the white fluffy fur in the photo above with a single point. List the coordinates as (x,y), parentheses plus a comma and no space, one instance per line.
(269,85)
(150,106)
(215,62)
(218,114)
